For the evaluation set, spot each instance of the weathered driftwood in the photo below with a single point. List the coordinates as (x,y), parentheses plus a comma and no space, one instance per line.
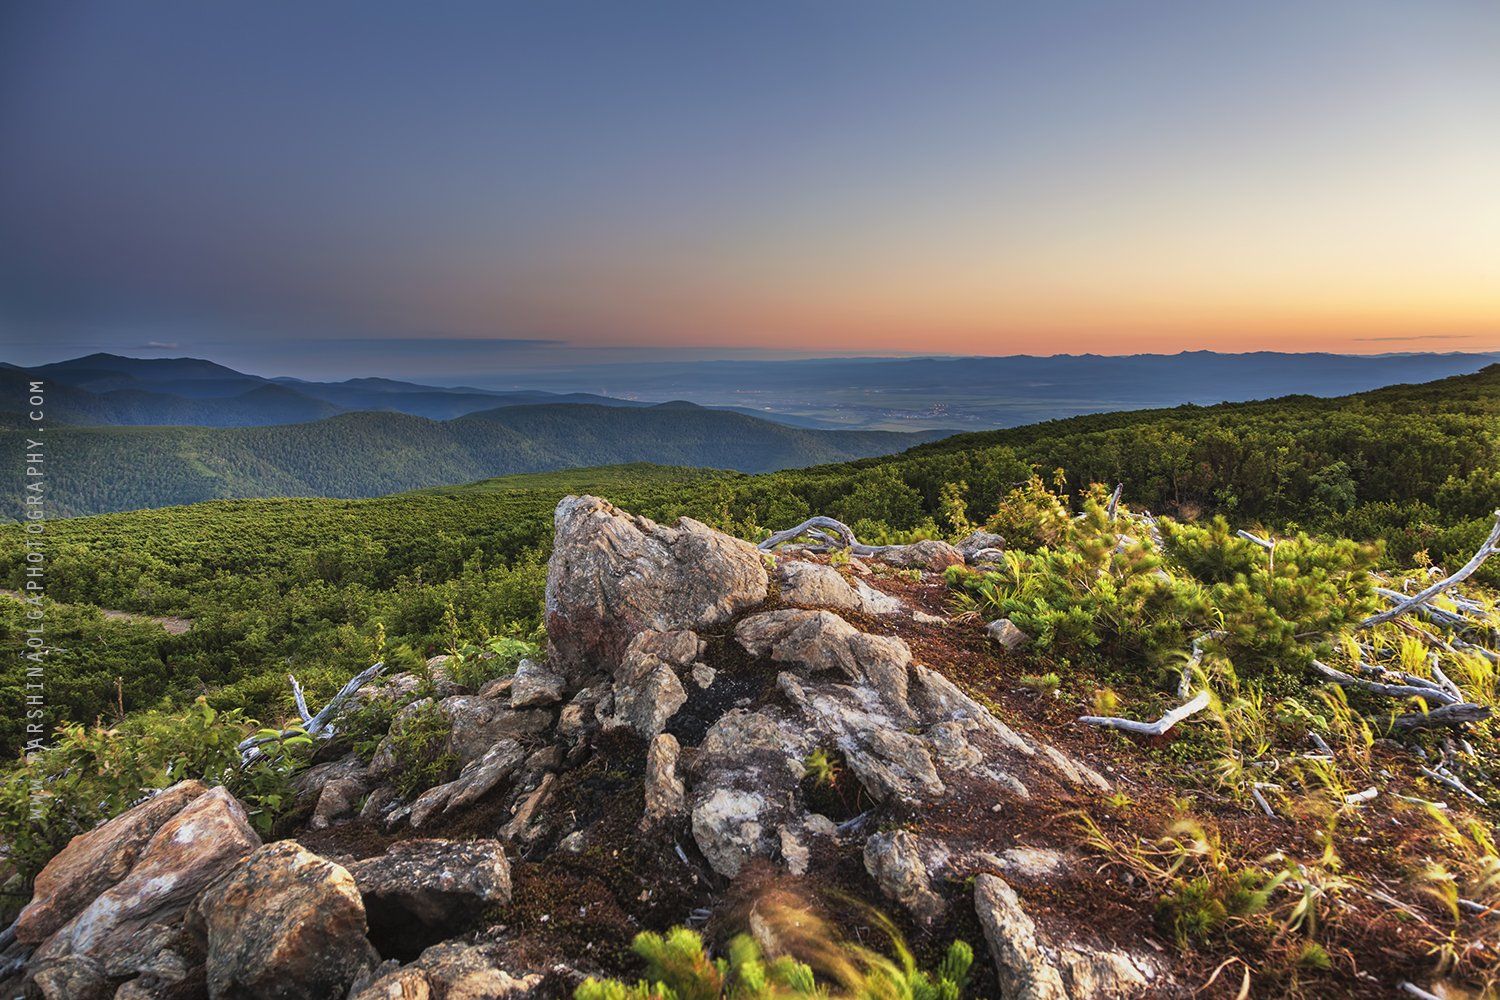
(845,533)
(1420,599)
(1157,728)
(319,726)
(1428,693)
(1443,777)
(1249,536)
(1448,715)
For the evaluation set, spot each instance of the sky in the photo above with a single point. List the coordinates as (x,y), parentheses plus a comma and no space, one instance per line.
(448,187)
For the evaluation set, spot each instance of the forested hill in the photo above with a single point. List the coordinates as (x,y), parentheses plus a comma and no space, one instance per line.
(102,469)
(313,580)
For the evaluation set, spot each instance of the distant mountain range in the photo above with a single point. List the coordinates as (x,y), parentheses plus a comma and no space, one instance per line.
(101,469)
(107,389)
(980,393)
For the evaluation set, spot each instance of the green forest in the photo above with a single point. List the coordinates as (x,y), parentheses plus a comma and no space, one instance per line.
(308,584)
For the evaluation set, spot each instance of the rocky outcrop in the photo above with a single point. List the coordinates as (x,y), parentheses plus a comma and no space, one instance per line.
(134,928)
(285,925)
(431,883)
(613,575)
(746,789)
(94,861)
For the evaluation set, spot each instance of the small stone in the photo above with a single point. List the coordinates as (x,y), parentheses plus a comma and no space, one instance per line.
(665,794)
(1007,633)
(535,685)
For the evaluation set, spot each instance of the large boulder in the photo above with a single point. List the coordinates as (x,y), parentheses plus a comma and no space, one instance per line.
(431,883)
(285,925)
(134,928)
(94,861)
(613,575)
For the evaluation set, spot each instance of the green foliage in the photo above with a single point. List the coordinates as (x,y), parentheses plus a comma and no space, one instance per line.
(678,967)
(1092,593)
(821,767)
(89,774)
(419,736)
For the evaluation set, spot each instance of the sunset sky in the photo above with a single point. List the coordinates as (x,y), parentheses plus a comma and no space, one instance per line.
(267,182)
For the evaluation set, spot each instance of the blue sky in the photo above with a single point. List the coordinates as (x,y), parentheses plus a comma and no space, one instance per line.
(299,185)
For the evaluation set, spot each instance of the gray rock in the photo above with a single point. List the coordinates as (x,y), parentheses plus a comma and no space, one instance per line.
(745,788)
(931,555)
(475,781)
(813,585)
(1024,971)
(454,971)
(1008,634)
(666,797)
(814,641)
(876,602)
(648,689)
(894,860)
(613,575)
(432,882)
(534,684)
(974,546)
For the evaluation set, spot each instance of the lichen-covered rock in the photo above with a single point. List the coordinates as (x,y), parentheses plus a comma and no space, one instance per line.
(894,860)
(745,788)
(930,554)
(535,685)
(613,575)
(648,687)
(1024,971)
(813,585)
(431,882)
(665,794)
(454,971)
(477,724)
(285,924)
(135,926)
(891,763)
(476,780)
(815,641)
(96,860)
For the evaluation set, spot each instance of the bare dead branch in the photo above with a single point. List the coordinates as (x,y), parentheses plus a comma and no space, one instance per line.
(1157,728)
(1449,715)
(1431,694)
(317,726)
(1423,597)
